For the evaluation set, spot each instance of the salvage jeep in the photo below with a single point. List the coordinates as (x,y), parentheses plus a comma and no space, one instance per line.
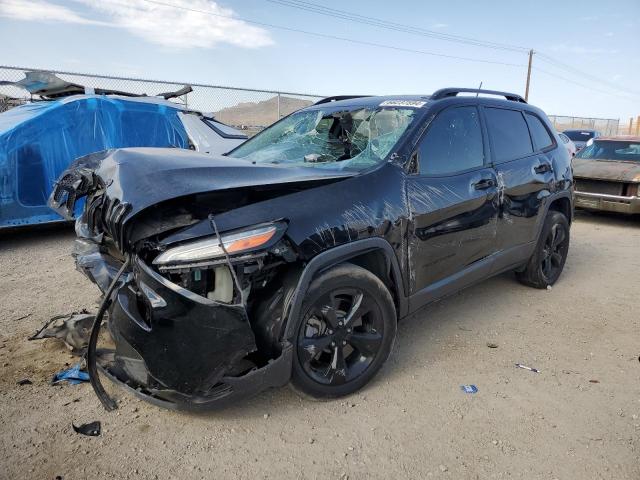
(291,258)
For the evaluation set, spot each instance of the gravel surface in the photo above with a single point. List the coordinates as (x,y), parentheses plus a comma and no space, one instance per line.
(579,418)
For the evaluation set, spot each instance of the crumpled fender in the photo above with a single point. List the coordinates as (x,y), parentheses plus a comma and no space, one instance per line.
(142,177)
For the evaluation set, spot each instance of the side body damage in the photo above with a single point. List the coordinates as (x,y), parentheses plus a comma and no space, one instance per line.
(205,261)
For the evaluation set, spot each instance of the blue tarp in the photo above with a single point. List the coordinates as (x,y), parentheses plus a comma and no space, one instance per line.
(39,140)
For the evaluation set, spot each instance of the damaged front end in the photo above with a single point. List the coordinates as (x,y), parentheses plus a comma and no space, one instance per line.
(196,323)
(178,348)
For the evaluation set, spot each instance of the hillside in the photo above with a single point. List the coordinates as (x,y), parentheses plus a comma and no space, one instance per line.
(260,113)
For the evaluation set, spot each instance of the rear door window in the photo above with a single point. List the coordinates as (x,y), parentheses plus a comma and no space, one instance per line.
(541,137)
(453,142)
(509,134)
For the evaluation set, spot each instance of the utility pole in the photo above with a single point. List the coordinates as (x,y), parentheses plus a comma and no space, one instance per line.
(526,91)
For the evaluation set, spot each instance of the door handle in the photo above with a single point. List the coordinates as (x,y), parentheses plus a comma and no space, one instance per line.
(543,168)
(484,184)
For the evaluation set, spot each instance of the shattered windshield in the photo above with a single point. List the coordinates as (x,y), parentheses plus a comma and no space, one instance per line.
(333,138)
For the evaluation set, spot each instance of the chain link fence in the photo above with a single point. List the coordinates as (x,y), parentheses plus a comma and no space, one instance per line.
(247,109)
(606,126)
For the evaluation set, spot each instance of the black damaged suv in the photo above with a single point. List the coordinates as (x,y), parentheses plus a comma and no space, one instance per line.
(292,257)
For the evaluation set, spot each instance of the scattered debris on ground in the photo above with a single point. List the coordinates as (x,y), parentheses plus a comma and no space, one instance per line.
(74,330)
(534,370)
(91,429)
(574,425)
(73,375)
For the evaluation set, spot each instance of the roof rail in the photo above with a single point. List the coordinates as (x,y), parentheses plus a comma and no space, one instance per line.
(452,92)
(337,98)
(183,91)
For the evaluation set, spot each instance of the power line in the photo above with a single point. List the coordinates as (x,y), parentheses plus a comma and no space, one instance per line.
(335,37)
(582,84)
(400,27)
(546,58)
(558,64)
(358,18)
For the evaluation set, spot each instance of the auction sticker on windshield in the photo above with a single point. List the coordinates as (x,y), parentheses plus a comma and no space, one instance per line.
(403,103)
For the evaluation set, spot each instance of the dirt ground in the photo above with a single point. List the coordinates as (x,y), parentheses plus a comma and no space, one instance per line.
(577,419)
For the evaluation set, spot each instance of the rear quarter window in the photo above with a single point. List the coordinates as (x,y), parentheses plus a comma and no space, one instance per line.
(509,134)
(541,137)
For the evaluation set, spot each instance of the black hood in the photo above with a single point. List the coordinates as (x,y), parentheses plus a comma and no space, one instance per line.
(142,177)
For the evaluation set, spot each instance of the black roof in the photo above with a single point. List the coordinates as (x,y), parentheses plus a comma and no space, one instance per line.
(444,93)
(367,100)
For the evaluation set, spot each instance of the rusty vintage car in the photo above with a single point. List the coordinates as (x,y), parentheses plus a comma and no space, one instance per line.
(607,175)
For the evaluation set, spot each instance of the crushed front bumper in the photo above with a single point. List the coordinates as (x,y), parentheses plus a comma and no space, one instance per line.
(175,348)
(608,203)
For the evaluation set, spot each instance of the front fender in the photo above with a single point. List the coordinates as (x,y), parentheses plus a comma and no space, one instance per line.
(334,256)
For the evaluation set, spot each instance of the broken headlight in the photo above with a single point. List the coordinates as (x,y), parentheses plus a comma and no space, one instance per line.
(210,248)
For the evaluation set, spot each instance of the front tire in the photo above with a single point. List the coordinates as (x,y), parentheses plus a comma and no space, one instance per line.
(345,333)
(546,263)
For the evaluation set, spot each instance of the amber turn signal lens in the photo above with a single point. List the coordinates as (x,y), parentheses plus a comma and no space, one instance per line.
(250,242)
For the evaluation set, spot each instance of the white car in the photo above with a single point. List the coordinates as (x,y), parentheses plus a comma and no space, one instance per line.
(581,136)
(568,143)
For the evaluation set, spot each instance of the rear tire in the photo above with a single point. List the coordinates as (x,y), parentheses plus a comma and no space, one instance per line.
(345,333)
(546,263)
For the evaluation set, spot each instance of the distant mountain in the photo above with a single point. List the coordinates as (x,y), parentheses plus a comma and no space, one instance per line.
(7,102)
(260,113)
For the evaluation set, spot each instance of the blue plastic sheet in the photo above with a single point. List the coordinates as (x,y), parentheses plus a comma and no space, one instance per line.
(74,375)
(39,140)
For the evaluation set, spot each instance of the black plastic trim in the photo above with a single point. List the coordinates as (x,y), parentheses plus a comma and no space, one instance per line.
(337,98)
(210,122)
(338,255)
(275,374)
(452,92)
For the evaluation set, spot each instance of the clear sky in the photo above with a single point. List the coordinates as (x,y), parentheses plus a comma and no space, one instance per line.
(149,39)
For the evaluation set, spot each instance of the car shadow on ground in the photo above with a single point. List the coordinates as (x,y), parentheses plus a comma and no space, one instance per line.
(607,218)
(32,234)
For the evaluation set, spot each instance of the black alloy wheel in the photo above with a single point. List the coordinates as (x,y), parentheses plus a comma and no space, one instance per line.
(548,259)
(554,252)
(341,336)
(345,334)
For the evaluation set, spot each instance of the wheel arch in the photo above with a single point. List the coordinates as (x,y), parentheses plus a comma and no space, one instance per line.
(562,203)
(373,254)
